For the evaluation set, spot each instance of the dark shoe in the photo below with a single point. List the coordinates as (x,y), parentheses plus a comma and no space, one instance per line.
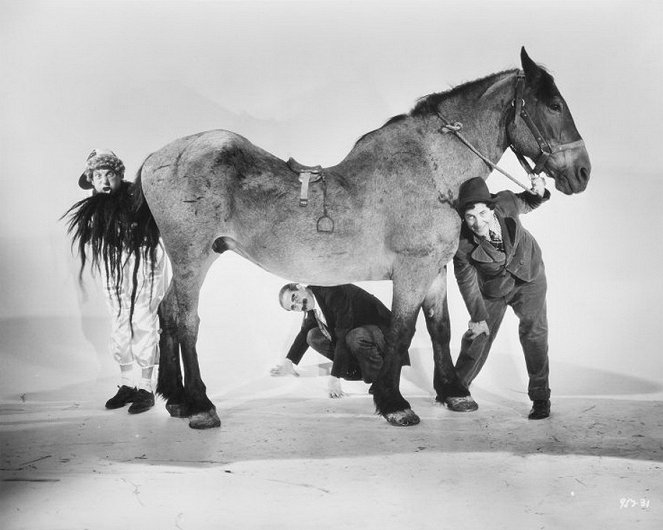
(540,409)
(125,394)
(461,404)
(144,401)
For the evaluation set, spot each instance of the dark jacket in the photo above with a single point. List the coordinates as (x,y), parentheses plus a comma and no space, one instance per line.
(483,271)
(345,307)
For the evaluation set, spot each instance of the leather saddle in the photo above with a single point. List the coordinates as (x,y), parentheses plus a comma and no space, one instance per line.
(301,168)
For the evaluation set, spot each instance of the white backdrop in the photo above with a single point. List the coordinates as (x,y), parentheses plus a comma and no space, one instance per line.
(306,79)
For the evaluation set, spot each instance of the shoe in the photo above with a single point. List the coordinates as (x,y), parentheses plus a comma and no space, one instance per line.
(144,401)
(125,394)
(461,404)
(540,409)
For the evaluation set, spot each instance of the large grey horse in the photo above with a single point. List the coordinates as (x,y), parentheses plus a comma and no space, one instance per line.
(386,211)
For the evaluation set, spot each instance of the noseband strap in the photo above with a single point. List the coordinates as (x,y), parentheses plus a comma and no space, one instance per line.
(520,112)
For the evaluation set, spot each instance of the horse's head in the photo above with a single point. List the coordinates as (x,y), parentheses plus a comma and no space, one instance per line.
(543,130)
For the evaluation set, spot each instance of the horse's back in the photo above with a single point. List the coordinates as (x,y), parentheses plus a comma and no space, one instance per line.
(207,165)
(208,147)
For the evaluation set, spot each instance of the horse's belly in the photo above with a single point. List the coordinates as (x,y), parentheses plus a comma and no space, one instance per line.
(323,263)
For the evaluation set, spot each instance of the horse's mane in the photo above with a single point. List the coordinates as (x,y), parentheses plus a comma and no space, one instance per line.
(428,104)
(545,89)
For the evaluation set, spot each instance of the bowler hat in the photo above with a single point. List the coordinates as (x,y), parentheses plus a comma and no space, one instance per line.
(100,159)
(472,192)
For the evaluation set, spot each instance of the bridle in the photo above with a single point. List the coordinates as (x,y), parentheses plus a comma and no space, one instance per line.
(545,147)
(519,111)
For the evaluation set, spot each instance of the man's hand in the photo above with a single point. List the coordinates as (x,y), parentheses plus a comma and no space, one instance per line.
(474,329)
(285,368)
(335,390)
(538,185)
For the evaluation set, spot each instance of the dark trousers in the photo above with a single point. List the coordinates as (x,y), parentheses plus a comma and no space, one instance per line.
(366,345)
(528,301)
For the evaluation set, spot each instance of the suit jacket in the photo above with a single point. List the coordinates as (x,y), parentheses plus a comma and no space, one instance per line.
(483,271)
(345,307)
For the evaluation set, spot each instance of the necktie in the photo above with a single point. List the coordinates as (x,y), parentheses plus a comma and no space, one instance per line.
(496,241)
(494,237)
(322,326)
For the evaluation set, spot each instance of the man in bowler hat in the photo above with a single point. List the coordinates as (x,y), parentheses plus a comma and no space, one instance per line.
(499,264)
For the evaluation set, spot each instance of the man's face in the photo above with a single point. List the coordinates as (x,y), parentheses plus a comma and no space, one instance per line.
(300,299)
(105,180)
(478,219)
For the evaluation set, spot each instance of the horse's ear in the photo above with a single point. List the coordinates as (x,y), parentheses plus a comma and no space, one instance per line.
(531,69)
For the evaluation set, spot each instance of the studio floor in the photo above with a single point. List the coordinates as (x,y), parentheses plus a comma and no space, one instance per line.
(286,456)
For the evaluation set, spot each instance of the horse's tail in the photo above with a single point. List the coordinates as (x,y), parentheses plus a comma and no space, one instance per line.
(145,224)
(146,238)
(137,192)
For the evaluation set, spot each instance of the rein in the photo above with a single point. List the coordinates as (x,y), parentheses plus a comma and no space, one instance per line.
(519,112)
(455,128)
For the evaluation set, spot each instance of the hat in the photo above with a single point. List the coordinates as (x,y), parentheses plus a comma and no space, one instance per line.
(473,191)
(100,159)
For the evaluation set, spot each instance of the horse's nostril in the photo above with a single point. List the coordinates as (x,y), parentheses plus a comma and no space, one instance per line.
(584,174)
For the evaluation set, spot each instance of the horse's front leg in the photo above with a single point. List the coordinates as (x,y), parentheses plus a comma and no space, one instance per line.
(389,402)
(169,383)
(436,312)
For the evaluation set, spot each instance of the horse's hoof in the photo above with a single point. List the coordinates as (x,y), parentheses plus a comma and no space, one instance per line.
(205,420)
(402,418)
(177,410)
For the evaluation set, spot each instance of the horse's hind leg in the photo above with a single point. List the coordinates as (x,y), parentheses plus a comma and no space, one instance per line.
(388,399)
(190,266)
(169,383)
(436,312)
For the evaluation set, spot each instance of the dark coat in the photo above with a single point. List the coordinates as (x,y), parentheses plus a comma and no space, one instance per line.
(483,271)
(345,308)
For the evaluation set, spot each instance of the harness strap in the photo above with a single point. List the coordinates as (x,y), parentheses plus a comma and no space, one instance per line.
(304,178)
(570,145)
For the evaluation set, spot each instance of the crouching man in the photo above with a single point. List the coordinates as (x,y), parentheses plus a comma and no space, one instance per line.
(345,324)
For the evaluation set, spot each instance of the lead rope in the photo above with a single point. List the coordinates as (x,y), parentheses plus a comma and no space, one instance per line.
(455,128)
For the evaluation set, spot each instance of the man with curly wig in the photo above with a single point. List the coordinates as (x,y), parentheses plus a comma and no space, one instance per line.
(121,243)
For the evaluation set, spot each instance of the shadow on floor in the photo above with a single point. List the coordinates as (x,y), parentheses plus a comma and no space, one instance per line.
(269,419)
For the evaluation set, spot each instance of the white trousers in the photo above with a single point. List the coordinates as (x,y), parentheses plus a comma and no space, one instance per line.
(143,347)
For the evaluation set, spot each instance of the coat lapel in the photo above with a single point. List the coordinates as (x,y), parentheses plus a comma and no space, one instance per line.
(510,235)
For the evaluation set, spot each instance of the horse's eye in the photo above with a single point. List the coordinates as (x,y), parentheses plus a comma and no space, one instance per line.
(555,107)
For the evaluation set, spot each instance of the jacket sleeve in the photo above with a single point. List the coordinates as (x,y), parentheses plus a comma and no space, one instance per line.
(468,284)
(299,345)
(514,204)
(341,316)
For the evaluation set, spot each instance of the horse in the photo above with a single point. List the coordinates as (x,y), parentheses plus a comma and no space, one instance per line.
(387,211)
